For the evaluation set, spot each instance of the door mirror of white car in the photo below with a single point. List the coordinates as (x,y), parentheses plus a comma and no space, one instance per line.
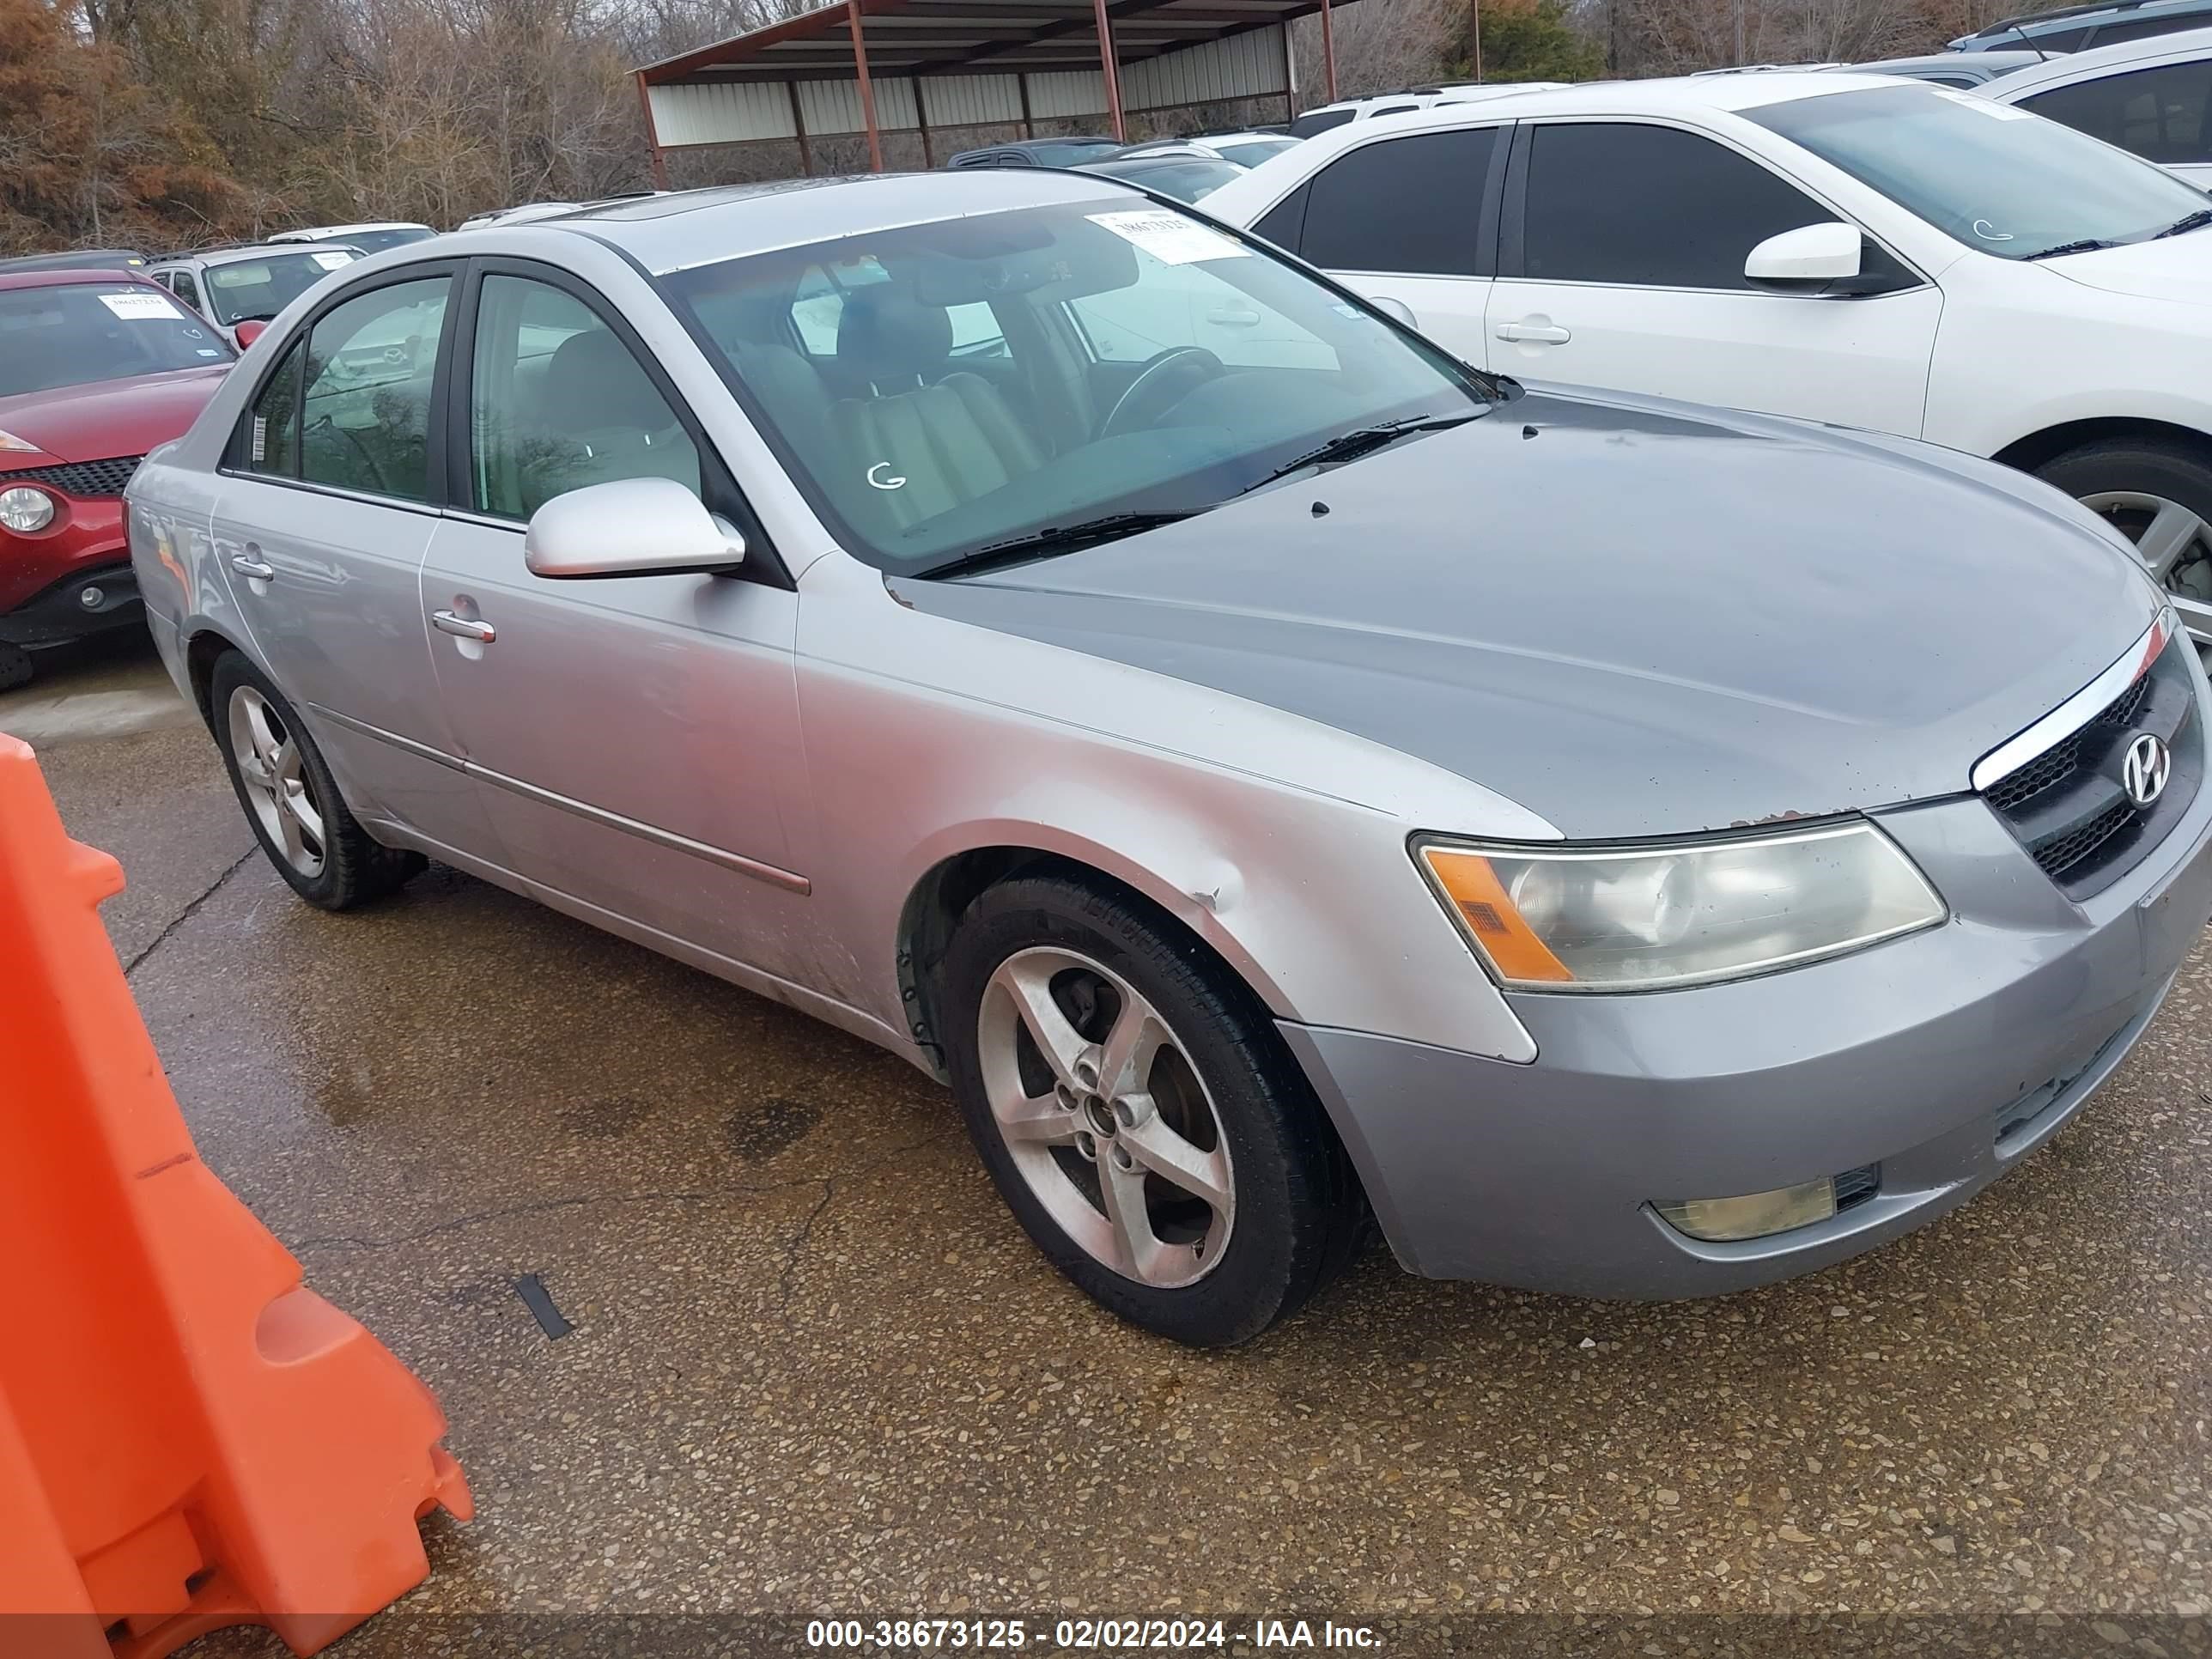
(1397,310)
(630,527)
(1808,259)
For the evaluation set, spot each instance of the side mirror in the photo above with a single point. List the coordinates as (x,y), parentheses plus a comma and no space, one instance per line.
(250,331)
(1397,310)
(1806,259)
(630,527)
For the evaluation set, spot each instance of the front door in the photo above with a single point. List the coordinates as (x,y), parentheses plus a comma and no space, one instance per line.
(1623,269)
(636,737)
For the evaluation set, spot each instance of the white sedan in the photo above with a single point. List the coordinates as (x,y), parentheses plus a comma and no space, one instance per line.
(1845,248)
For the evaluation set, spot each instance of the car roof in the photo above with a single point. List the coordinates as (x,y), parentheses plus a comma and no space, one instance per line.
(60,276)
(242,252)
(1656,97)
(2084,66)
(689,227)
(1991,63)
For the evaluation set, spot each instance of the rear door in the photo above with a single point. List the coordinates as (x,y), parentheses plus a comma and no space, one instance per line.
(636,737)
(1412,218)
(1621,265)
(328,503)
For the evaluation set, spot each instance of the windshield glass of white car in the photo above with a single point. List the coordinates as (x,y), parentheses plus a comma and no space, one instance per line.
(947,391)
(1995,178)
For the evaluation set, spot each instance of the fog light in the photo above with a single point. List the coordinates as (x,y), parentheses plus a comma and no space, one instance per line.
(23,509)
(1754,1215)
(90,598)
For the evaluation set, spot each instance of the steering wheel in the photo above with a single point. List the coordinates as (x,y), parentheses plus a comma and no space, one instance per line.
(1175,359)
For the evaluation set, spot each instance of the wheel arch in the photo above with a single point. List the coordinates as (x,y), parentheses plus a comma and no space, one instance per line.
(2040,448)
(201,653)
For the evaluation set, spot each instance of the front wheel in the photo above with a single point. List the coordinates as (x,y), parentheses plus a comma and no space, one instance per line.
(1139,1116)
(290,798)
(2159,496)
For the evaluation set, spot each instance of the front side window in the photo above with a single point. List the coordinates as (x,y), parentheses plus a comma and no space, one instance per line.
(557,402)
(75,333)
(365,420)
(1410,205)
(919,459)
(1618,202)
(2159,114)
(255,289)
(1996,179)
(186,289)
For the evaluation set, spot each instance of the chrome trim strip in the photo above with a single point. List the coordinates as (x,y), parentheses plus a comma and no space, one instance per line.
(789,880)
(2078,710)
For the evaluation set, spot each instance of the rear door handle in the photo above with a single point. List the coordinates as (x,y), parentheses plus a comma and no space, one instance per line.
(1533,333)
(465,628)
(246,565)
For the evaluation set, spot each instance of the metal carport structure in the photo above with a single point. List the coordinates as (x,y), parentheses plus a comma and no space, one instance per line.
(873,66)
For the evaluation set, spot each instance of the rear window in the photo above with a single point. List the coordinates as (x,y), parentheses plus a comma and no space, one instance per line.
(77,333)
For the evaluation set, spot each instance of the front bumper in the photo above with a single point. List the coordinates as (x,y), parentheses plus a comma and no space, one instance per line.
(43,575)
(91,600)
(1908,1056)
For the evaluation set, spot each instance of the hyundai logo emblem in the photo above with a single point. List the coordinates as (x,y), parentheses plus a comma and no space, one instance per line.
(2144,773)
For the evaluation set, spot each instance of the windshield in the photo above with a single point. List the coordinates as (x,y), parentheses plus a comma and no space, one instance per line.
(375,241)
(75,333)
(262,286)
(1186,181)
(937,390)
(1995,178)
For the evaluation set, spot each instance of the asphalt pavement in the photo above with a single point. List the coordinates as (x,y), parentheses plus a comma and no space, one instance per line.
(813,1369)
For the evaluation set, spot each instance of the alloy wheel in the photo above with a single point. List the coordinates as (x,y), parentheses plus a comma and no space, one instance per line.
(1105,1117)
(277,788)
(2175,544)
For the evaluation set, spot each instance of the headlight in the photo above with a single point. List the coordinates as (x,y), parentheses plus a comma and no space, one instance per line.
(9,441)
(1646,917)
(24,509)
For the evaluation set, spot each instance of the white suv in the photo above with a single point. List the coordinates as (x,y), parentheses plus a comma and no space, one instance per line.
(2152,96)
(1845,248)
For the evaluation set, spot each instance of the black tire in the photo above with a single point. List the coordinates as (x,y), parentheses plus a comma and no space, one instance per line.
(354,867)
(2166,469)
(17,667)
(1298,1212)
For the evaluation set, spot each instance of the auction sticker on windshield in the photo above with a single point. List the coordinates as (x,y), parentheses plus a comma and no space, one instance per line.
(1169,237)
(141,307)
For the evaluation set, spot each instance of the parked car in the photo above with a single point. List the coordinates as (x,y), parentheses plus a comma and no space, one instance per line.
(1903,258)
(95,259)
(1633,847)
(2147,96)
(371,237)
(524,214)
(239,289)
(1187,174)
(96,368)
(1963,69)
(1246,148)
(1037,153)
(1349,110)
(2074,28)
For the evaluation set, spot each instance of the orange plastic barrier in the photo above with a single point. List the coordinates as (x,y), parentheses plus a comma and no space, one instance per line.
(189,1437)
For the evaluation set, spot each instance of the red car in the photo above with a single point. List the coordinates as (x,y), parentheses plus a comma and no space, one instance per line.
(96,368)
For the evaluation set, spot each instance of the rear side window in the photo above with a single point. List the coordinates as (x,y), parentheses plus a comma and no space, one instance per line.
(2159,114)
(365,420)
(1320,121)
(269,440)
(2140,29)
(1652,206)
(1412,205)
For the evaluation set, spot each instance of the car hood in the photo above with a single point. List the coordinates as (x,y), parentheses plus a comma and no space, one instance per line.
(1632,617)
(107,418)
(2176,268)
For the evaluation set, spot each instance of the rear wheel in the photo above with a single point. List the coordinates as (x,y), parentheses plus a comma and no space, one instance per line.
(2158,495)
(290,798)
(1138,1114)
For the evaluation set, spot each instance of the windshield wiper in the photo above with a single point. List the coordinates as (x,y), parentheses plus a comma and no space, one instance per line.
(1057,538)
(2086,244)
(2188,222)
(1360,440)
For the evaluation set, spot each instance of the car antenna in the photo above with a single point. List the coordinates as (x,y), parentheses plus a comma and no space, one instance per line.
(2028,40)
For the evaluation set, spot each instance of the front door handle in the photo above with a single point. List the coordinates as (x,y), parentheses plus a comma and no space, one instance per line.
(1533,333)
(246,565)
(465,628)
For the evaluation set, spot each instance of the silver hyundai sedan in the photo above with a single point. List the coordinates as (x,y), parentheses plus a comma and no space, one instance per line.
(1276,775)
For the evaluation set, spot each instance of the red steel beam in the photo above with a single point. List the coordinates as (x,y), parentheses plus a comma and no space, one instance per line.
(1106,63)
(867,86)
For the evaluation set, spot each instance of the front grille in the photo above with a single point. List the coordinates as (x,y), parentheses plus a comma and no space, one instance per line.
(80,478)
(2067,807)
